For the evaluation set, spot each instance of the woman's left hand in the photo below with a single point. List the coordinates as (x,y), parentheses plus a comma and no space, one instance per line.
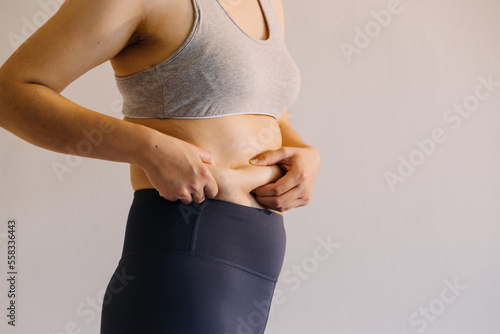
(295,188)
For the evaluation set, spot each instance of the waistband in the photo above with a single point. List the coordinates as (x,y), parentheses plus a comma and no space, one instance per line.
(235,234)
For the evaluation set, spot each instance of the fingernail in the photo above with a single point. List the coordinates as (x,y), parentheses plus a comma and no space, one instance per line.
(254,161)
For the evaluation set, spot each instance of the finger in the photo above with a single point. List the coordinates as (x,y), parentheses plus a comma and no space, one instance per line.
(278,188)
(294,204)
(279,202)
(206,156)
(272,157)
(211,188)
(186,199)
(199,197)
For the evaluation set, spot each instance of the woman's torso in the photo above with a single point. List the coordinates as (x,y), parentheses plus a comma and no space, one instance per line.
(234,139)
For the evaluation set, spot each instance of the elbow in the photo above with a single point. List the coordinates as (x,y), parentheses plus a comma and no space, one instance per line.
(7,97)
(5,92)
(3,97)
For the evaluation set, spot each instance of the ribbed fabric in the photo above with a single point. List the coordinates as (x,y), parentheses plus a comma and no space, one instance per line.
(219,70)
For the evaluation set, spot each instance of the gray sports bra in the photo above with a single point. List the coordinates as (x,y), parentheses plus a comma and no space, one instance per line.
(219,70)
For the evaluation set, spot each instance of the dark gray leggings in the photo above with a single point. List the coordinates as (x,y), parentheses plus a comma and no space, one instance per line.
(207,268)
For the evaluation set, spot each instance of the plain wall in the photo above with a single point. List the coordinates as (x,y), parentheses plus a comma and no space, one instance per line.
(407,199)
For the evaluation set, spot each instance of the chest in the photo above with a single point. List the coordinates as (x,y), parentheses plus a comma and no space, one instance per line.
(167,24)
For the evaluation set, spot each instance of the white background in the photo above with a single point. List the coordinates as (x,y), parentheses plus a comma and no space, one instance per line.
(395,247)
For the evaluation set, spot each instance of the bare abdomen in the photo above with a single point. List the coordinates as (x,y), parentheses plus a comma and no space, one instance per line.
(233,141)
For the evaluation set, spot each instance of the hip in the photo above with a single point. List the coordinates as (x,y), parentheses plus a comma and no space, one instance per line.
(194,268)
(249,238)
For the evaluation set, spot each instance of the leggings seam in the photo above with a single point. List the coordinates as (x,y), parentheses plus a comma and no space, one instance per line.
(269,310)
(205,257)
(250,271)
(195,228)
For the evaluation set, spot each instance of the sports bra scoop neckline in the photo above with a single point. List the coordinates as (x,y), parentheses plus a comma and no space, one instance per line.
(219,70)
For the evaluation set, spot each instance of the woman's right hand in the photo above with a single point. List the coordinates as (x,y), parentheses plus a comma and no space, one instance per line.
(177,169)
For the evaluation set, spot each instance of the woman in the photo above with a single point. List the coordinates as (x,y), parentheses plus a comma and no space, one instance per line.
(206,84)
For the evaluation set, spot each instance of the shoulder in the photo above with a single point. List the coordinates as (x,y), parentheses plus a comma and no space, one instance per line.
(79,36)
(104,17)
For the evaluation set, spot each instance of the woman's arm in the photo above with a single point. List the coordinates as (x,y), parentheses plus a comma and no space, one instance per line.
(289,136)
(81,35)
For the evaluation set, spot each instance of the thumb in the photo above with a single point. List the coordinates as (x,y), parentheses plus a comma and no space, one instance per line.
(269,157)
(206,156)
